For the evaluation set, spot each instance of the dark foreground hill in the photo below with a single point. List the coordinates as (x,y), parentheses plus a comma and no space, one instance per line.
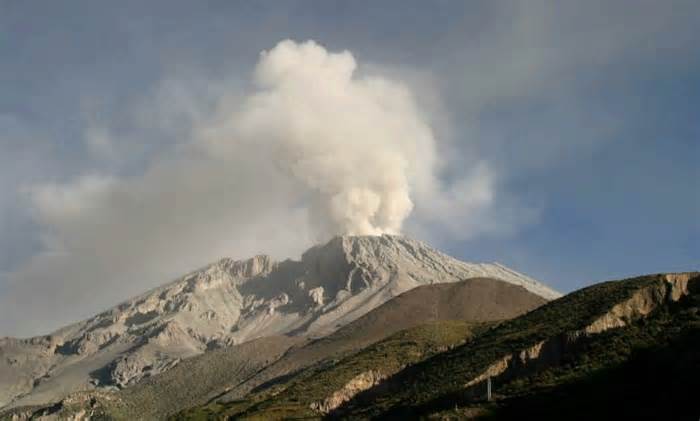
(616,350)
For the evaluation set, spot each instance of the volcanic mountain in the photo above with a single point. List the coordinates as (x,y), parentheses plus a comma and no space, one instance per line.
(228,303)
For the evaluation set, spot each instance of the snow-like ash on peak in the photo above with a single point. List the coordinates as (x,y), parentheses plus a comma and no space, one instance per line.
(383,254)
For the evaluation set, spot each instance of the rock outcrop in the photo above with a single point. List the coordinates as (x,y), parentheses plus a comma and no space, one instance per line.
(357,384)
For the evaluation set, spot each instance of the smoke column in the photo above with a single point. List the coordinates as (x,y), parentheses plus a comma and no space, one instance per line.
(355,145)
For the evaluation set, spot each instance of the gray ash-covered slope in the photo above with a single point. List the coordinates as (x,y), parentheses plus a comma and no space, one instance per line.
(226,303)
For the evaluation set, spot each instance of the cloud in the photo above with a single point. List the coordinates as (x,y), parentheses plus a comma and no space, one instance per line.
(353,144)
(312,150)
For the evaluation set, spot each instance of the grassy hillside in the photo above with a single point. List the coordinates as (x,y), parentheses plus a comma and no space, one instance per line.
(437,385)
(648,371)
(293,398)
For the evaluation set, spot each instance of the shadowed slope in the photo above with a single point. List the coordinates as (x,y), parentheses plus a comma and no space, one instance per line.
(562,341)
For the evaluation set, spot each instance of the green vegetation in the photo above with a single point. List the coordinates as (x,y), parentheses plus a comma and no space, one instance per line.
(647,370)
(293,398)
(435,386)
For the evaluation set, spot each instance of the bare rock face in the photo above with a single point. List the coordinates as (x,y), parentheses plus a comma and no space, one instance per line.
(357,384)
(227,303)
(641,303)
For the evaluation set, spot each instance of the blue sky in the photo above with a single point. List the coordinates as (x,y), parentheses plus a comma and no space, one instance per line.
(586,112)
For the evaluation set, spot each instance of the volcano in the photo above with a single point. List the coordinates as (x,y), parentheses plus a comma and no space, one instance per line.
(231,302)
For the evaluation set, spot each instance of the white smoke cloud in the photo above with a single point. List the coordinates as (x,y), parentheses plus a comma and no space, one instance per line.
(314,150)
(356,145)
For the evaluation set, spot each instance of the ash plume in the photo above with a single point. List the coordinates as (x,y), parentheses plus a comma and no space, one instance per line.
(355,145)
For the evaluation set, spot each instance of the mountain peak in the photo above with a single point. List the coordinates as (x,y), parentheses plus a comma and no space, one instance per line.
(413,258)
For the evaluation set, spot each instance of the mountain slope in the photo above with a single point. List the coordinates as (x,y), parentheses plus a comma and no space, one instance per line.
(186,384)
(567,340)
(228,303)
(226,372)
(473,300)
(321,388)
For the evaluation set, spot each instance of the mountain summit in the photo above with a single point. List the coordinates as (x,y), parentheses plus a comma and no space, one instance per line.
(227,303)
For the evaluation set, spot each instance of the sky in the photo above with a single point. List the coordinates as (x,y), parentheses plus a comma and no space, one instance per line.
(141,140)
